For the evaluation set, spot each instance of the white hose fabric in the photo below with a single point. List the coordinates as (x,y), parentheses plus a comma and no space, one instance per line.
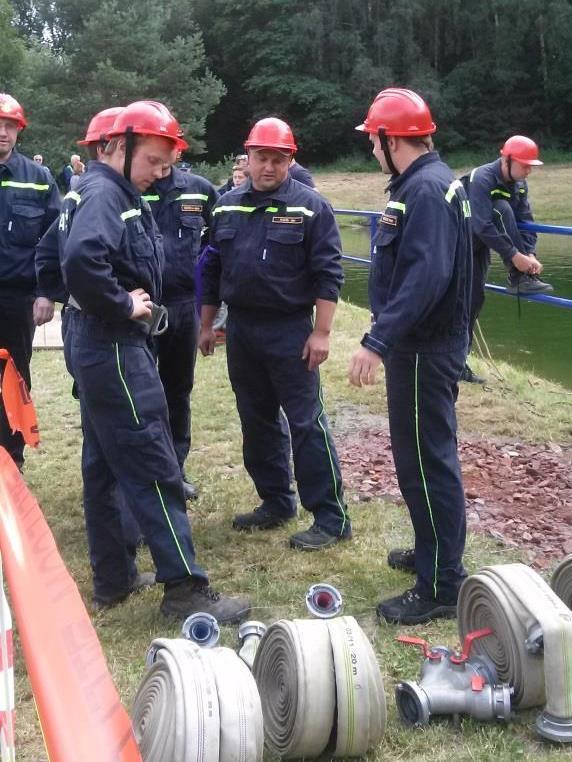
(197,705)
(304,669)
(515,601)
(561,581)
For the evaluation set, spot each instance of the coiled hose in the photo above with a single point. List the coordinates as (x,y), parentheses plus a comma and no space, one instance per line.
(320,686)
(197,705)
(561,581)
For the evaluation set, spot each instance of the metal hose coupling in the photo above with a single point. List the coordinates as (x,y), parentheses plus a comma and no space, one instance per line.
(324,601)
(202,629)
(249,636)
(197,704)
(531,642)
(452,683)
(157,322)
(321,688)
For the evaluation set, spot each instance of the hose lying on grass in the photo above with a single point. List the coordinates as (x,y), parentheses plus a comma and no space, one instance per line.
(320,686)
(197,705)
(561,581)
(531,644)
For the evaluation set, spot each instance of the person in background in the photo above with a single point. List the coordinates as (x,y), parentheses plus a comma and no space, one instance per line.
(300,173)
(241,161)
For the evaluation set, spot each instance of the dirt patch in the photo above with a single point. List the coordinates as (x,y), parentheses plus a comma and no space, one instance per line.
(521,494)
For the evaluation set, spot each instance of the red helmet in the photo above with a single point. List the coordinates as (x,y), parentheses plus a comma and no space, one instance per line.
(11,109)
(271,133)
(522,149)
(399,112)
(100,125)
(148,118)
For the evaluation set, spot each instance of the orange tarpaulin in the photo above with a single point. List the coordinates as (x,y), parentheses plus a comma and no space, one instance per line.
(80,712)
(18,403)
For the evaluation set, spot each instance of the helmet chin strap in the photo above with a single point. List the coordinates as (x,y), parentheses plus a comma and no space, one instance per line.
(129,146)
(386,152)
(509,167)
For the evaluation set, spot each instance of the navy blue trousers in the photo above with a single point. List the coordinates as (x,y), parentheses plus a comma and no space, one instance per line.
(268,374)
(421,394)
(176,354)
(16,335)
(128,455)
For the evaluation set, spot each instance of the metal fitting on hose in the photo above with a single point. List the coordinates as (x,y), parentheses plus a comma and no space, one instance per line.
(452,683)
(249,636)
(202,629)
(324,601)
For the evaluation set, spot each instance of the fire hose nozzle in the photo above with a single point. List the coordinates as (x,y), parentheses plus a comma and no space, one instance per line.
(324,601)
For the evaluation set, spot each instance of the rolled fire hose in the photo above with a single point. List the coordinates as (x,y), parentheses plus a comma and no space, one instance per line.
(561,581)
(317,680)
(531,645)
(197,705)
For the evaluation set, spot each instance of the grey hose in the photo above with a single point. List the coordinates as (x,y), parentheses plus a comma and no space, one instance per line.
(197,705)
(523,612)
(561,581)
(305,670)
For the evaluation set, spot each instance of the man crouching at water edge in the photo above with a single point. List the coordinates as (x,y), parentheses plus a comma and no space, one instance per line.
(111,262)
(419,289)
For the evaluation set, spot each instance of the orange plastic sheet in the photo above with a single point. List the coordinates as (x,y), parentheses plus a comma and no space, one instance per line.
(18,403)
(80,712)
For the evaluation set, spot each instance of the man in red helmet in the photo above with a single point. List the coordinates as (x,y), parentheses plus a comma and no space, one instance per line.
(419,290)
(29,201)
(112,258)
(498,193)
(275,256)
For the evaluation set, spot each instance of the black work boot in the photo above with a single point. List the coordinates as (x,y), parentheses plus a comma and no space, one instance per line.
(402,559)
(317,538)
(191,492)
(194,595)
(141,582)
(523,283)
(259,518)
(471,377)
(411,608)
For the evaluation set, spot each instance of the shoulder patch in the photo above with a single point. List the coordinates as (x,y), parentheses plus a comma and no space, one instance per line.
(288,220)
(389,219)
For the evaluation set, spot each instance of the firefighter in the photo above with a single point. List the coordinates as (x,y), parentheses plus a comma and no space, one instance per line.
(112,257)
(29,202)
(275,257)
(419,290)
(182,204)
(498,193)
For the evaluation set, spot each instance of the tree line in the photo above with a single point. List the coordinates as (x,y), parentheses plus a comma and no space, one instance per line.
(489,68)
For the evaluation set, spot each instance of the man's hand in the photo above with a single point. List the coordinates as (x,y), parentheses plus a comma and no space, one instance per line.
(317,348)
(142,308)
(526,263)
(43,310)
(207,340)
(363,367)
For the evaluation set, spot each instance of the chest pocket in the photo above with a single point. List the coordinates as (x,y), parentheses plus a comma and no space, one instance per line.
(284,249)
(189,234)
(385,246)
(25,225)
(224,238)
(139,243)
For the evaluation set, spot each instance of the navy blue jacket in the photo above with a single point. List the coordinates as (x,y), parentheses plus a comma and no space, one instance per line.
(29,202)
(486,185)
(109,245)
(300,173)
(182,204)
(420,276)
(274,252)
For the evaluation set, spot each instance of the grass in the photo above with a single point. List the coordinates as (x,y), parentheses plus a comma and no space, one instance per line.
(261,564)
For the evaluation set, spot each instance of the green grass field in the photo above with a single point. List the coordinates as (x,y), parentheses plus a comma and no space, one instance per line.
(262,565)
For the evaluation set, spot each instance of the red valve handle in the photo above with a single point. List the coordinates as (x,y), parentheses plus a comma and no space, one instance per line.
(470,638)
(423,645)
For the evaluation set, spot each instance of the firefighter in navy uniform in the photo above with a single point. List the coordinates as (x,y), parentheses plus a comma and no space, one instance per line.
(29,202)
(498,193)
(181,204)
(112,258)
(419,288)
(275,256)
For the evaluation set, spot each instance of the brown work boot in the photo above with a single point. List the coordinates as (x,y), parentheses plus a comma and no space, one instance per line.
(194,595)
(141,582)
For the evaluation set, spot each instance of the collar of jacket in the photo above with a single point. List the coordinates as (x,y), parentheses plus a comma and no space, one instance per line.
(13,162)
(427,158)
(496,165)
(99,168)
(280,194)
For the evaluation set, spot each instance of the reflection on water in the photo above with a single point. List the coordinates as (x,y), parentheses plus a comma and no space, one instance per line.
(540,341)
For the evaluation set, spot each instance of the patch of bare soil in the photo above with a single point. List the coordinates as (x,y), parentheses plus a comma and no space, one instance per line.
(521,494)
